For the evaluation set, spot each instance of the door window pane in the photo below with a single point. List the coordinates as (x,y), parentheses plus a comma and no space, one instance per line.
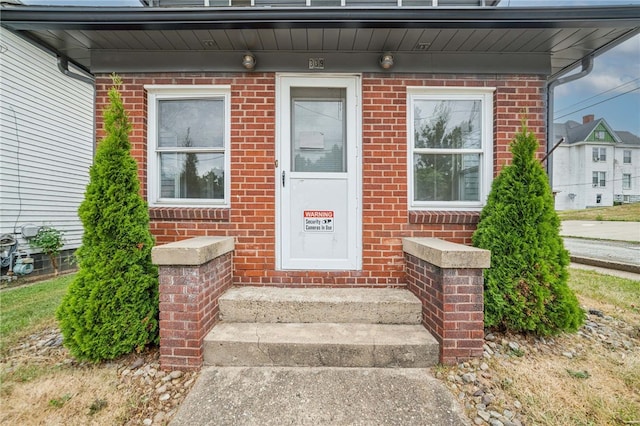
(318,130)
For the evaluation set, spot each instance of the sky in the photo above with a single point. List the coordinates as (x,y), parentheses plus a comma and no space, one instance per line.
(611,91)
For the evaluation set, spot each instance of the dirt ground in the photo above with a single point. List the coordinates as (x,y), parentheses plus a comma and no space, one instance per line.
(43,385)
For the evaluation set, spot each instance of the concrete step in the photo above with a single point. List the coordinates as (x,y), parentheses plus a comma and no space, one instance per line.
(320,344)
(325,305)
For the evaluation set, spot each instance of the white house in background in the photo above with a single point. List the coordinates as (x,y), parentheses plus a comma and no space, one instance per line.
(595,166)
(46,145)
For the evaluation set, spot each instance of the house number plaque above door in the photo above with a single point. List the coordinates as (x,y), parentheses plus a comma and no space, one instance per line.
(316,63)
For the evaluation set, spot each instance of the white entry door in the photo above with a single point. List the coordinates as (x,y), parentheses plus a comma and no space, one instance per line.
(319,214)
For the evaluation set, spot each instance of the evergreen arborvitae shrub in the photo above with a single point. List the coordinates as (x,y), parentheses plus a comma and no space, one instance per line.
(111,307)
(526,287)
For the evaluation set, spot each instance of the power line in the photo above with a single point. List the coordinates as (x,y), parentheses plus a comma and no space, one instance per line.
(633,178)
(598,103)
(597,94)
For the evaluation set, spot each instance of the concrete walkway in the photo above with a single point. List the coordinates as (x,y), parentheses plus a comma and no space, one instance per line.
(247,396)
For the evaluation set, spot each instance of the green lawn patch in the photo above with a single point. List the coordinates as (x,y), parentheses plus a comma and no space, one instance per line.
(621,292)
(26,309)
(621,213)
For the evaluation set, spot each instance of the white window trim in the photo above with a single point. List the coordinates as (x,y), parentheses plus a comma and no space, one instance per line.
(600,154)
(483,94)
(172,91)
(625,181)
(600,179)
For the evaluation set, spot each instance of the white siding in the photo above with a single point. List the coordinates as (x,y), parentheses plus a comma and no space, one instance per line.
(46,140)
(573,166)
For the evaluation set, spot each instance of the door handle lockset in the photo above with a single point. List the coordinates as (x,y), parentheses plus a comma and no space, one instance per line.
(283,177)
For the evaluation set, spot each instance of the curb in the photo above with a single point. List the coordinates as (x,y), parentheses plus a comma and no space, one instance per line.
(627,267)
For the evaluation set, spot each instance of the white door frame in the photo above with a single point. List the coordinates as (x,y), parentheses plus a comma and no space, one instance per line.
(354,148)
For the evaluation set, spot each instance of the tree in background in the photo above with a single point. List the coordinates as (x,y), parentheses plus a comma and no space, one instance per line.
(111,307)
(526,287)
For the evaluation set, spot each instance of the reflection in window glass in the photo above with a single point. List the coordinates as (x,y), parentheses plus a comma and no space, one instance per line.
(446,177)
(447,124)
(191,123)
(190,155)
(318,130)
(192,175)
(447,150)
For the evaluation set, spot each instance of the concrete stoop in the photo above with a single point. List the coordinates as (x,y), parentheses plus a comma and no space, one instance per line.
(267,326)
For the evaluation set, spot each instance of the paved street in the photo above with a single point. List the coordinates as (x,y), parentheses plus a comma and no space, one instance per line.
(611,244)
(615,251)
(620,231)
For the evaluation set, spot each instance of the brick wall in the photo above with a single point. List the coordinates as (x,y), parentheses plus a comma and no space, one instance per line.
(189,308)
(251,218)
(452,301)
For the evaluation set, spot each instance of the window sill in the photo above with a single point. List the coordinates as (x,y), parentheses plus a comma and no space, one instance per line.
(444,217)
(188,213)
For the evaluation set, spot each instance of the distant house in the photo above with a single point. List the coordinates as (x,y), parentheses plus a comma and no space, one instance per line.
(46,148)
(595,166)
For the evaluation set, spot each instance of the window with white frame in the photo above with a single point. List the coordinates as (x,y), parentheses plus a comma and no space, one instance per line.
(188,145)
(599,179)
(600,135)
(450,147)
(626,181)
(626,156)
(599,154)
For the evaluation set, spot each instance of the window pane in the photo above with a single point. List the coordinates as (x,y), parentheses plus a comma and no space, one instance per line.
(447,124)
(626,181)
(446,177)
(192,175)
(191,123)
(318,130)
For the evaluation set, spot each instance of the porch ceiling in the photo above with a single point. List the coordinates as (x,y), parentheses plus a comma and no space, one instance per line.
(540,40)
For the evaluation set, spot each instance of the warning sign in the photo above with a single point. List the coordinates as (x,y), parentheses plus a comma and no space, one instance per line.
(318,221)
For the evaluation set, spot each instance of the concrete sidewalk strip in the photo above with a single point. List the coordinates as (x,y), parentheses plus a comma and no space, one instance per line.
(318,396)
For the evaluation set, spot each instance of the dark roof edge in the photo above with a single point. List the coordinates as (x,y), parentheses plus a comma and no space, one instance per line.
(28,37)
(110,18)
(596,53)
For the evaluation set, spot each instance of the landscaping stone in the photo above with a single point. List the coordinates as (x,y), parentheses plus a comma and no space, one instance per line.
(481,391)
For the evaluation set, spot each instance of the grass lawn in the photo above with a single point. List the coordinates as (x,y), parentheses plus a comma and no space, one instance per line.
(607,391)
(26,309)
(623,294)
(622,213)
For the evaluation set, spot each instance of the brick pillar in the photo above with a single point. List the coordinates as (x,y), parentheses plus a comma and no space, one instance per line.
(448,279)
(193,275)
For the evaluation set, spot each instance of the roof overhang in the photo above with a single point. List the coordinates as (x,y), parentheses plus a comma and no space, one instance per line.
(543,41)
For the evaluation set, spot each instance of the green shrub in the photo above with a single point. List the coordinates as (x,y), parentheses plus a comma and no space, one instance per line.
(526,287)
(50,241)
(111,307)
